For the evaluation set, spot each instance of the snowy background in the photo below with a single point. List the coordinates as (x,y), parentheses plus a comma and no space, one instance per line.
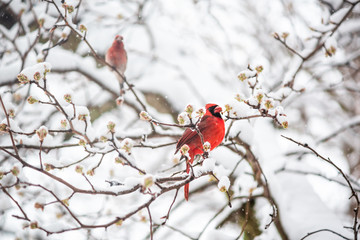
(281,67)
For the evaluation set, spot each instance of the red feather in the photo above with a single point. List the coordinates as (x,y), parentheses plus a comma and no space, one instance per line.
(212,128)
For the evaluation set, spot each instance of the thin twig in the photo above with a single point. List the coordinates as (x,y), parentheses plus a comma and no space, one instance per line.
(151,223)
(354,195)
(17,204)
(9,127)
(168,213)
(325,230)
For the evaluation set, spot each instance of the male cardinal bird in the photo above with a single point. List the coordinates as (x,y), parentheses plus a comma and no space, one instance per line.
(116,56)
(211,127)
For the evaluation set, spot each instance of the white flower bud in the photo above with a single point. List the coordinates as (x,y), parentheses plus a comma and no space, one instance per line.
(148,181)
(42,132)
(184,150)
(127,145)
(224,184)
(145,116)
(111,126)
(189,110)
(207,147)
(200,112)
(183,118)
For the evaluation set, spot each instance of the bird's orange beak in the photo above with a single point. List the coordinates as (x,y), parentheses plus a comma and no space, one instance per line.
(218,109)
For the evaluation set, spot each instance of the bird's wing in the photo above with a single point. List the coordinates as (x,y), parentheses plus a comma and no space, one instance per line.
(191,136)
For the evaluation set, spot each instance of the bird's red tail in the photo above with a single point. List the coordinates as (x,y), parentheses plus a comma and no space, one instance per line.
(186,187)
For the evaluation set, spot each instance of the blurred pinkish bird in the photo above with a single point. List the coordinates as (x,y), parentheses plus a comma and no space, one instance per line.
(116,56)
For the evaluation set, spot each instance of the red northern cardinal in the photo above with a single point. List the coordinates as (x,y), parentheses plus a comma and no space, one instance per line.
(116,56)
(212,128)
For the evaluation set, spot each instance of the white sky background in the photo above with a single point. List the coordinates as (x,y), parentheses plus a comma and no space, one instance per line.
(189,54)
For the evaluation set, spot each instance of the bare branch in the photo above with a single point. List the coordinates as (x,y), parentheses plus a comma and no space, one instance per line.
(354,195)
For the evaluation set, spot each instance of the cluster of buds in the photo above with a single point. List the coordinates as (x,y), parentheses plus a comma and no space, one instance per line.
(268,104)
(242,76)
(200,112)
(183,118)
(259,96)
(330,51)
(67,98)
(259,99)
(35,72)
(82,142)
(239,98)
(184,151)
(228,108)
(285,124)
(15,171)
(69,8)
(79,169)
(145,116)
(120,100)
(127,145)
(23,79)
(63,123)
(46,69)
(3,127)
(34,225)
(284,36)
(265,105)
(37,76)
(39,206)
(207,147)
(82,28)
(189,110)
(82,117)
(11,112)
(250,75)
(103,139)
(91,172)
(259,69)
(49,167)
(111,127)
(148,181)
(232,110)
(32,100)
(42,132)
